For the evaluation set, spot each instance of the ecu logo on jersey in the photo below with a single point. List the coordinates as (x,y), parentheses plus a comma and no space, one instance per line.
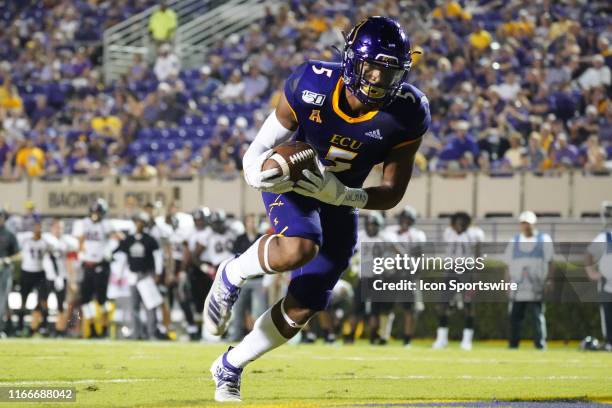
(315,116)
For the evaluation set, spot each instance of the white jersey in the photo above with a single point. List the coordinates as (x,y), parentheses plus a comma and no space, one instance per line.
(370,251)
(198,237)
(61,247)
(177,238)
(96,238)
(601,249)
(220,247)
(411,235)
(160,231)
(464,244)
(528,261)
(33,251)
(408,241)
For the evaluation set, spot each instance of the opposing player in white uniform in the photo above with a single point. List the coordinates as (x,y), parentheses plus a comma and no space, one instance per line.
(179,288)
(410,240)
(59,266)
(94,233)
(463,241)
(34,247)
(599,269)
(380,314)
(157,228)
(193,260)
(220,241)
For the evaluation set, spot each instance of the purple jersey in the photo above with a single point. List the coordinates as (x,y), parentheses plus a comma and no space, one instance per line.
(351,146)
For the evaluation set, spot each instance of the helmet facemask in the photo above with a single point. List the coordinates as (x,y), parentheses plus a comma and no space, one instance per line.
(376,81)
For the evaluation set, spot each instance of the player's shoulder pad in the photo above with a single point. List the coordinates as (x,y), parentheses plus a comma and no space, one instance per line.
(311,82)
(411,108)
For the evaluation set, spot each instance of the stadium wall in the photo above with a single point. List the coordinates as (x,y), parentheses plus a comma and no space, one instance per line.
(567,194)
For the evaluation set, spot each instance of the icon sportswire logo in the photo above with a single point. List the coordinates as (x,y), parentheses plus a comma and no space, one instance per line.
(374,133)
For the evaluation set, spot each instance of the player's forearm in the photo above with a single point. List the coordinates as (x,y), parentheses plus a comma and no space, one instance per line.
(271,134)
(382,197)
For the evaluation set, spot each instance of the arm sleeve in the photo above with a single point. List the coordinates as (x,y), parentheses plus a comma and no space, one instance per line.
(272,133)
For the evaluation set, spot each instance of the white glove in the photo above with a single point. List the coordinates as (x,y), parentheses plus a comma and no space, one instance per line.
(58,283)
(266,180)
(325,186)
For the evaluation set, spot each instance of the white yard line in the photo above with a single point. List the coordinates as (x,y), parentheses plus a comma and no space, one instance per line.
(464,377)
(75,382)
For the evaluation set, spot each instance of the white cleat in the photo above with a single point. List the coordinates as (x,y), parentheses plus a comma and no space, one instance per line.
(227,380)
(219,302)
(466,340)
(439,344)
(441,338)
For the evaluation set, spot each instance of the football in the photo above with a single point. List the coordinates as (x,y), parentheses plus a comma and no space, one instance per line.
(292,157)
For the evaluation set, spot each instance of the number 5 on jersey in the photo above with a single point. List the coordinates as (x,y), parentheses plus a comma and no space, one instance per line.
(340,157)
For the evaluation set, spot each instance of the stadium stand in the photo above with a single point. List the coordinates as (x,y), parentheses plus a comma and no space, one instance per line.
(508,90)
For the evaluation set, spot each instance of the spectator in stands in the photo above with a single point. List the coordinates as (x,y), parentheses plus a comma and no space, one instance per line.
(138,70)
(15,124)
(513,154)
(233,91)
(226,166)
(143,170)
(593,157)
(580,128)
(170,110)
(107,125)
(509,89)
(78,162)
(166,63)
(534,151)
(480,39)
(207,85)
(30,159)
(566,155)
(163,23)
(9,96)
(179,165)
(54,164)
(204,163)
(460,143)
(595,76)
(42,110)
(255,84)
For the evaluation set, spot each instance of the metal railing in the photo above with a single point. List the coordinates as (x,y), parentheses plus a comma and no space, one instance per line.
(233,17)
(131,37)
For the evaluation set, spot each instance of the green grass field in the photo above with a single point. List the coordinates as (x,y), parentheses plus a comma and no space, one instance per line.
(151,374)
